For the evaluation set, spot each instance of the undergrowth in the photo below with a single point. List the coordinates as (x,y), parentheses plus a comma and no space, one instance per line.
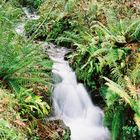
(24,79)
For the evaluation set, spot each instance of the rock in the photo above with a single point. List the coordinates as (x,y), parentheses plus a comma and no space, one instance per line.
(53,130)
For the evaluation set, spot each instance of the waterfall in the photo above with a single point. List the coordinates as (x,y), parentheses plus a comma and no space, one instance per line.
(72,103)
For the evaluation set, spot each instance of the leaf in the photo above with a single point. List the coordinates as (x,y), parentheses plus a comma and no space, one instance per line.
(137,120)
(116,125)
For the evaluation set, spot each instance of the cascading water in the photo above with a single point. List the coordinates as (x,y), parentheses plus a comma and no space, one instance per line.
(72,103)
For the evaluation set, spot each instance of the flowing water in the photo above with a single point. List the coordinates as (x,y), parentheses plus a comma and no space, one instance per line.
(72,103)
(29,15)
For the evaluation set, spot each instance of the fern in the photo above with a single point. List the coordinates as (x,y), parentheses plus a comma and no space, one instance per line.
(18,61)
(134,73)
(117,74)
(128,98)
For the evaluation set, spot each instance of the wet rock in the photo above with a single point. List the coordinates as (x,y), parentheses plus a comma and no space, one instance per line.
(53,130)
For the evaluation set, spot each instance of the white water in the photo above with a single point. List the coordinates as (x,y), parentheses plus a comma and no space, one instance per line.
(72,103)
(32,15)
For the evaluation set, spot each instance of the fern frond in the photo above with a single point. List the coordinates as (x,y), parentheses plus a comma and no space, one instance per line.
(117,74)
(95,54)
(123,94)
(118,89)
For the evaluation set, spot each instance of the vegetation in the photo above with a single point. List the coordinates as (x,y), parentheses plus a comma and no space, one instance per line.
(104,39)
(24,80)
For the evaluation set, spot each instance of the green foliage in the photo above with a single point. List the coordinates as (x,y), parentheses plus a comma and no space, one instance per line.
(113,113)
(109,96)
(104,36)
(20,64)
(8,117)
(24,79)
(8,132)
(31,104)
(131,98)
(130,132)
(9,14)
(116,125)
